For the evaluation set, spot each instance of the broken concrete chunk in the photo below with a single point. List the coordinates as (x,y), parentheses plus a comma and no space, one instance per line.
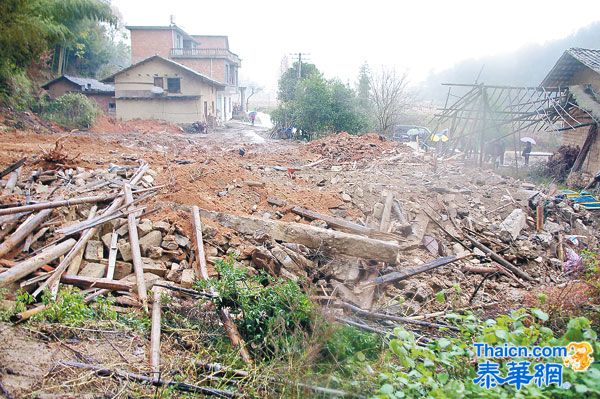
(152,239)
(154,252)
(125,250)
(187,278)
(144,227)
(343,268)
(122,269)
(263,259)
(169,242)
(346,198)
(94,250)
(174,274)
(151,266)
(95,270)
(182,241)
(162,226)
(511,227)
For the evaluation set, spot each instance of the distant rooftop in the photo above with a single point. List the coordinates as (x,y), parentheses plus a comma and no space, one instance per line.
(87,84)
(572,61)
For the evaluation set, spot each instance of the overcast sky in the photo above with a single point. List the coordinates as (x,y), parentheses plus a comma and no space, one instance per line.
(417,35)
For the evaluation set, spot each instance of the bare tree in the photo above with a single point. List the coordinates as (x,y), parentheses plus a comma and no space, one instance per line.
(389,97)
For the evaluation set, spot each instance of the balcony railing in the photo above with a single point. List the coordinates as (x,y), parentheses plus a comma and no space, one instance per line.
(205,53)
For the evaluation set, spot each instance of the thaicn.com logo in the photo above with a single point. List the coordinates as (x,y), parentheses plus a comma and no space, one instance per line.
(576,356)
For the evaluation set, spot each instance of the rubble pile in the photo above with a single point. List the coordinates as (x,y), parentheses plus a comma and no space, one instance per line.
(345,148)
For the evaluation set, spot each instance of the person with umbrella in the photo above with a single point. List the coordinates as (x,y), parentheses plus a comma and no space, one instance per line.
(252,116)
(527,150)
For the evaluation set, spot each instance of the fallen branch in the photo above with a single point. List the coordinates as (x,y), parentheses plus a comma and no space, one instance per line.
(13,167)
(124,375)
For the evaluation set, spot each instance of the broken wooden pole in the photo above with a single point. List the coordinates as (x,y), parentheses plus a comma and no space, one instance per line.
(76,251)
(155,333)
(138,264)
(434,264)
(30,265)
(499,259)
(230,328)
(124,375)
(13,167)
(384,226)
(23,231)
(92,282)
(58,204)
(312,236)
(76,262)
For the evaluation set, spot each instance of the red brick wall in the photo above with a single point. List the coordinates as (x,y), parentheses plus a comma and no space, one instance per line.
(146,43)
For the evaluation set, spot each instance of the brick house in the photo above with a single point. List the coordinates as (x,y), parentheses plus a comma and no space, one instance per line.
(160,88)
(579,69)
(206,54)
(101,93)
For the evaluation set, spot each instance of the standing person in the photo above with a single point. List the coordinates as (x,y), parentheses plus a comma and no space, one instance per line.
(252,117)
(526,152)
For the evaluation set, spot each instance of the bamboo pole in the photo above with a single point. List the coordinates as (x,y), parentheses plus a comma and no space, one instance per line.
(23,231)
(136,255)
(30,265)
(228,324)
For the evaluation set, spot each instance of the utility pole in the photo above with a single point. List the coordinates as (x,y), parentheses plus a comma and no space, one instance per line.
(298,56)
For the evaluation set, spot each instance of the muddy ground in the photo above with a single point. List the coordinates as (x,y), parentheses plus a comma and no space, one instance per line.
(236,169)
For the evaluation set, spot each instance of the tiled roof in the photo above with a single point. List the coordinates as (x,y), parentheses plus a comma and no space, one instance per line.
(111,78)
(86,84)
(572,61)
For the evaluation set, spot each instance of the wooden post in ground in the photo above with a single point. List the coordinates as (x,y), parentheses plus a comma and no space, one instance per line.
(155,333)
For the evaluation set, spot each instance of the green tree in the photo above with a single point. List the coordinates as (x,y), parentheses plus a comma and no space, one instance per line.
(363,86)
(30,28)
(288,83)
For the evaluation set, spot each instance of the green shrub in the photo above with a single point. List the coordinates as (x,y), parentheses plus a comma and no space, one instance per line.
(276,315)
(72,111)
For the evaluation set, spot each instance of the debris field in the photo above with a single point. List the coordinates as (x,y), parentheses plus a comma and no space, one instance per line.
(373,227)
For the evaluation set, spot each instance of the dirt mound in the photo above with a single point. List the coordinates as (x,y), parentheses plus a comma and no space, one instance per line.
(26,121)
(107,124)
(345,148)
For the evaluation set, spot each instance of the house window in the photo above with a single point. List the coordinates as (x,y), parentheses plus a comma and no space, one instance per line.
(174,85)
(158,82)
(112,106)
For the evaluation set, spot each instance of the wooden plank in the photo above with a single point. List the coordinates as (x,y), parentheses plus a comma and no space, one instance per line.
(91,282)
(387,213)
(136,255)
(112,255)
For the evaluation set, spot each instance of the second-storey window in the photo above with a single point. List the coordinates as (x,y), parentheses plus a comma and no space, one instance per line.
(174,85)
